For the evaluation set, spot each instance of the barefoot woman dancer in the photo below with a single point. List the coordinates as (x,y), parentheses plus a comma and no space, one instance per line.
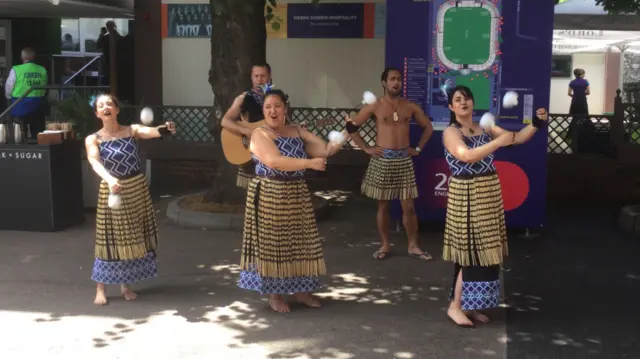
(126,238)
(390,175)
(475,236)
(281,249)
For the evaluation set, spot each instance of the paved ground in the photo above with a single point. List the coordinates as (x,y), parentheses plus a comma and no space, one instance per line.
(561,284)
(575,290)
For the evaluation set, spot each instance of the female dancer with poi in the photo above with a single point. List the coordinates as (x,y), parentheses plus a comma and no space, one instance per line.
(281,249)
(126,233)
(475,237)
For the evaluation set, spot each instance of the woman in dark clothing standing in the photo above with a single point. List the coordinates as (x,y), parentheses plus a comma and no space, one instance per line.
(578,91)
(580,127)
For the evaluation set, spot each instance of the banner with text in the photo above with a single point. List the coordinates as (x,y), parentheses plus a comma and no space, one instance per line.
(328,20)
(325,21)
(186,20)
(484,45)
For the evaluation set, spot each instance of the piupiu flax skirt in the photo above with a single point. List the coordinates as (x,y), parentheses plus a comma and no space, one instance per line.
(475,238)
(281,248)
(245,174)
(126,238)
(390,177)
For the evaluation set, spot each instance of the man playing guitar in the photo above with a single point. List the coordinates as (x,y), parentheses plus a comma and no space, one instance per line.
(247,107)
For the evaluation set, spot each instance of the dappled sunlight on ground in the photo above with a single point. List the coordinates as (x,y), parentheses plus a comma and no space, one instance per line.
(372,309)
(23,335)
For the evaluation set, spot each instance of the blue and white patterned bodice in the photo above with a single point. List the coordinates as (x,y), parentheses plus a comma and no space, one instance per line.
(120,156)
(290,147)
(459,168)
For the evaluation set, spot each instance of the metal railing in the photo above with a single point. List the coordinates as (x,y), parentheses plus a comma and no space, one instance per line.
(82,70)
(88,91)
(567,134)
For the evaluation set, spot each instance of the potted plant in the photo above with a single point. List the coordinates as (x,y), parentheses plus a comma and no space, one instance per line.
(77,110)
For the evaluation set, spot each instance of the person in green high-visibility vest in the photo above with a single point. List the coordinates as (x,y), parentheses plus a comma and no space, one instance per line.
(30,110)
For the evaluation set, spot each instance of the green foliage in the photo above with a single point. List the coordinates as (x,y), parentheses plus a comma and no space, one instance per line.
(615,6)
(79,113)
(620,6)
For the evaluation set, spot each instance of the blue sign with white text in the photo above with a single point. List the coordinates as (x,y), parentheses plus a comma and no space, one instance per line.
(325,21)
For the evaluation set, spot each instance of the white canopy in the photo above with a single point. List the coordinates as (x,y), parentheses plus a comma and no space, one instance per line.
(574,41)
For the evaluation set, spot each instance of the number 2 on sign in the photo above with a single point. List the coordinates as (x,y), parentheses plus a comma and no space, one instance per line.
(443,185)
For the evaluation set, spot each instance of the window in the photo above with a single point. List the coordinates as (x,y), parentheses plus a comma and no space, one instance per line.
(80,36)
(561,65)
(70,29)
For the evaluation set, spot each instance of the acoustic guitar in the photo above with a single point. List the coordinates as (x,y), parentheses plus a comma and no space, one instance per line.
(236,147)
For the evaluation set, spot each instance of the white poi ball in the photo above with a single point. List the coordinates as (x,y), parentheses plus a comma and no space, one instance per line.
(336,137)
(115,201)
(487,121)
(368,98)
(146,116)
(510,99)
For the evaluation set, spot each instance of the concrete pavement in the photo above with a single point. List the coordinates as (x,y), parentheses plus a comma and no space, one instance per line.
(373,309)
(572,293)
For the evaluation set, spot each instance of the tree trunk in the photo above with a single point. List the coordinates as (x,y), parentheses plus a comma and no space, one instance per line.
(238,40)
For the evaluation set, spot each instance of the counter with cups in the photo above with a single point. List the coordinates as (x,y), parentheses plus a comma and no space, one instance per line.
(40,183)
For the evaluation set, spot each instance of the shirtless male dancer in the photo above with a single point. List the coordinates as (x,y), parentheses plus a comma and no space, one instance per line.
(390,174)
(247,107)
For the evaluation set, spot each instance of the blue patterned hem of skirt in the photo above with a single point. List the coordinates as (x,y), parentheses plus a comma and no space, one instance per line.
(480,295)
(125,272)
(252,280)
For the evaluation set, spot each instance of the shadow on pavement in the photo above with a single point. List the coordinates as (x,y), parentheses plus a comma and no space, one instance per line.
(573,290)
(373,309)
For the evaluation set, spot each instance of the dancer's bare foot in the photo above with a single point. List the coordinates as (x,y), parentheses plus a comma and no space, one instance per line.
(127,292)
(458,316)
(101,296)
(278,304)
(478,317)
(307,299)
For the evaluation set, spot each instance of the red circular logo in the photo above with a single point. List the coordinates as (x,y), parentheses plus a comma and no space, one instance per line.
(513,180)
(515,184)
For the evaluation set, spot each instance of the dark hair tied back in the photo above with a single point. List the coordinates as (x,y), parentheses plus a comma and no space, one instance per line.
(464,91)
(93,101)
(277,92)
